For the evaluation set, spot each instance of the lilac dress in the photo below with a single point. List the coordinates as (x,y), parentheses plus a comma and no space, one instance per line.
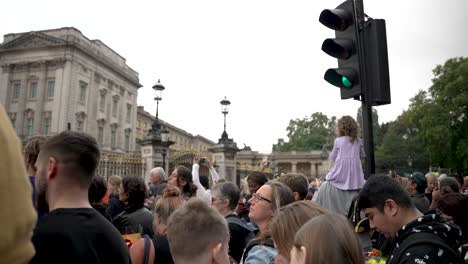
(346,173)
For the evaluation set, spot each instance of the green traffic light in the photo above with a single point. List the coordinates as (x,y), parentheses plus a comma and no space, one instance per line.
(346,82)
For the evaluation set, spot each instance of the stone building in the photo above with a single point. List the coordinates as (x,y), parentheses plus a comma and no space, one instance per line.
(58,79)
(182,139)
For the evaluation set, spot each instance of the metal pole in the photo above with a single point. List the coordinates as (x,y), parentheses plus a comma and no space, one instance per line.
(224,122)
(366,97)
(157,108)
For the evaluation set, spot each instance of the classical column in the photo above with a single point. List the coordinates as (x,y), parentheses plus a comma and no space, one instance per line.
(293,166)
(224,154)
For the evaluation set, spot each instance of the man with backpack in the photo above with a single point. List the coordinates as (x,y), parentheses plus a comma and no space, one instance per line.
(417,237)
(224,197)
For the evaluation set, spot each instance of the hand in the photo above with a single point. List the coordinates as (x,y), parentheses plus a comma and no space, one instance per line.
(207,163)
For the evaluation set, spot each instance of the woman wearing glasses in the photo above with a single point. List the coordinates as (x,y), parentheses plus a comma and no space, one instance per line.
(263,206)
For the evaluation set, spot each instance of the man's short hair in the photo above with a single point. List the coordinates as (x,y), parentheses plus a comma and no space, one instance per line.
(135,188)
(158,171)
(77,151)
(193,228)
(97,189)
(378,189)
(297,182)
(257,177)
(32,148)
(228,191)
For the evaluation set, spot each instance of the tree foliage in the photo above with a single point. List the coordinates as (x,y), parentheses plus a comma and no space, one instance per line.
(434,129)
(309,133)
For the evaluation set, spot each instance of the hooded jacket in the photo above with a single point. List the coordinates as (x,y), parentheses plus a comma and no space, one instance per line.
(427,252)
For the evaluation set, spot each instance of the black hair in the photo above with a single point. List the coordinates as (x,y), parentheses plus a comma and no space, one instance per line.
(135,188)
(229,191)
(258,178)
(378,189)
(97,189)
(297,182)
(78,151)
(204,181)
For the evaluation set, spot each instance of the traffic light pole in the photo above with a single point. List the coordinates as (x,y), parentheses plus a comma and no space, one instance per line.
(366,97)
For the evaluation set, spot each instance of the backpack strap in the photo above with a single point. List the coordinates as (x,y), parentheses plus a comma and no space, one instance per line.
(147,249)
(422,238)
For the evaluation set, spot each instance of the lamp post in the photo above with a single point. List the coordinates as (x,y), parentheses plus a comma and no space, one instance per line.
(165,142)
(155,132)
(225,110)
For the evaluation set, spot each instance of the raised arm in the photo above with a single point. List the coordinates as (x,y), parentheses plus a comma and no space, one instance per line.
(202,193)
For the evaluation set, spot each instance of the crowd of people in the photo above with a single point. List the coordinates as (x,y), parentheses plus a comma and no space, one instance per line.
(76,216)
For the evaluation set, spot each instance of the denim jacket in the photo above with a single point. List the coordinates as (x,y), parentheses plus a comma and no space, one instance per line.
(260,254)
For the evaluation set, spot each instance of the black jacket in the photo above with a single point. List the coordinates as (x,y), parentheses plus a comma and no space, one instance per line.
(426,252)
(132,218)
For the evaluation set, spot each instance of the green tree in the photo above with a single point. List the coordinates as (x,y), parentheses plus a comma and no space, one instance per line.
(309,133)
(441,115)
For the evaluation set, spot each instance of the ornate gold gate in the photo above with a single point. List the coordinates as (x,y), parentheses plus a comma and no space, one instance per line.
(185,158)
(112,163)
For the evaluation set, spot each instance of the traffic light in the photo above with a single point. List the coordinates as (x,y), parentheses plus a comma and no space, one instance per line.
(375,46)
(345,47)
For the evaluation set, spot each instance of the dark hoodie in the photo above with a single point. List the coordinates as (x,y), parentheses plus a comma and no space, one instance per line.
(425,253)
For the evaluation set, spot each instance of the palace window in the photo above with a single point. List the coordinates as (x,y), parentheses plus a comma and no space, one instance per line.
(102,102)
(33,90)
(129,112)
(127,139)
(16,90)
(83,87)
(47,122)
(100,134)
(50,88)
(29,126)
(113,137)
(115,106)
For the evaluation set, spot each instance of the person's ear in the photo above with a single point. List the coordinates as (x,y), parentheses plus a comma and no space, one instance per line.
(296,196)
(217,253)
(391,207)
(52,168)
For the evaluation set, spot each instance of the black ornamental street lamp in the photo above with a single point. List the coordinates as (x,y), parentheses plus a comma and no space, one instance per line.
(225,110)
(166,143)
(155,131)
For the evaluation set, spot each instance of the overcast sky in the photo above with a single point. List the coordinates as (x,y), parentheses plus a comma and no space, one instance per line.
(263,55)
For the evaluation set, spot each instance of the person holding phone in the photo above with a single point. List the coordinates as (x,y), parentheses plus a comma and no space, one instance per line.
(202,192)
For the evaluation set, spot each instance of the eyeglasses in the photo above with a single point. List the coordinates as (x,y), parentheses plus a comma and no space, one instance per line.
(259,198)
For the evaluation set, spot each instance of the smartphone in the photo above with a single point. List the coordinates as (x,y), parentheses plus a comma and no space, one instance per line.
(201,160)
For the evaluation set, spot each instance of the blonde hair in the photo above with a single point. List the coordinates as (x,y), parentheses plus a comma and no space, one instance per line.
(165,206)
(115,180)
(288,220)
(347,126)
(315,237)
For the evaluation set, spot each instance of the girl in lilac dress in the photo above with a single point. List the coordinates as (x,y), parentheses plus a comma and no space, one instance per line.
(346,177)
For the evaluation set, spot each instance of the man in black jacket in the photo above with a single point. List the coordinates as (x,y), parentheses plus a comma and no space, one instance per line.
(418,238)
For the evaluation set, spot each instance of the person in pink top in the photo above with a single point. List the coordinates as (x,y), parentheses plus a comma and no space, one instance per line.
(345,178)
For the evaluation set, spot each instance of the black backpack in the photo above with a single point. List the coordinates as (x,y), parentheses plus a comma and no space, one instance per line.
(360,224)
(421,238)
